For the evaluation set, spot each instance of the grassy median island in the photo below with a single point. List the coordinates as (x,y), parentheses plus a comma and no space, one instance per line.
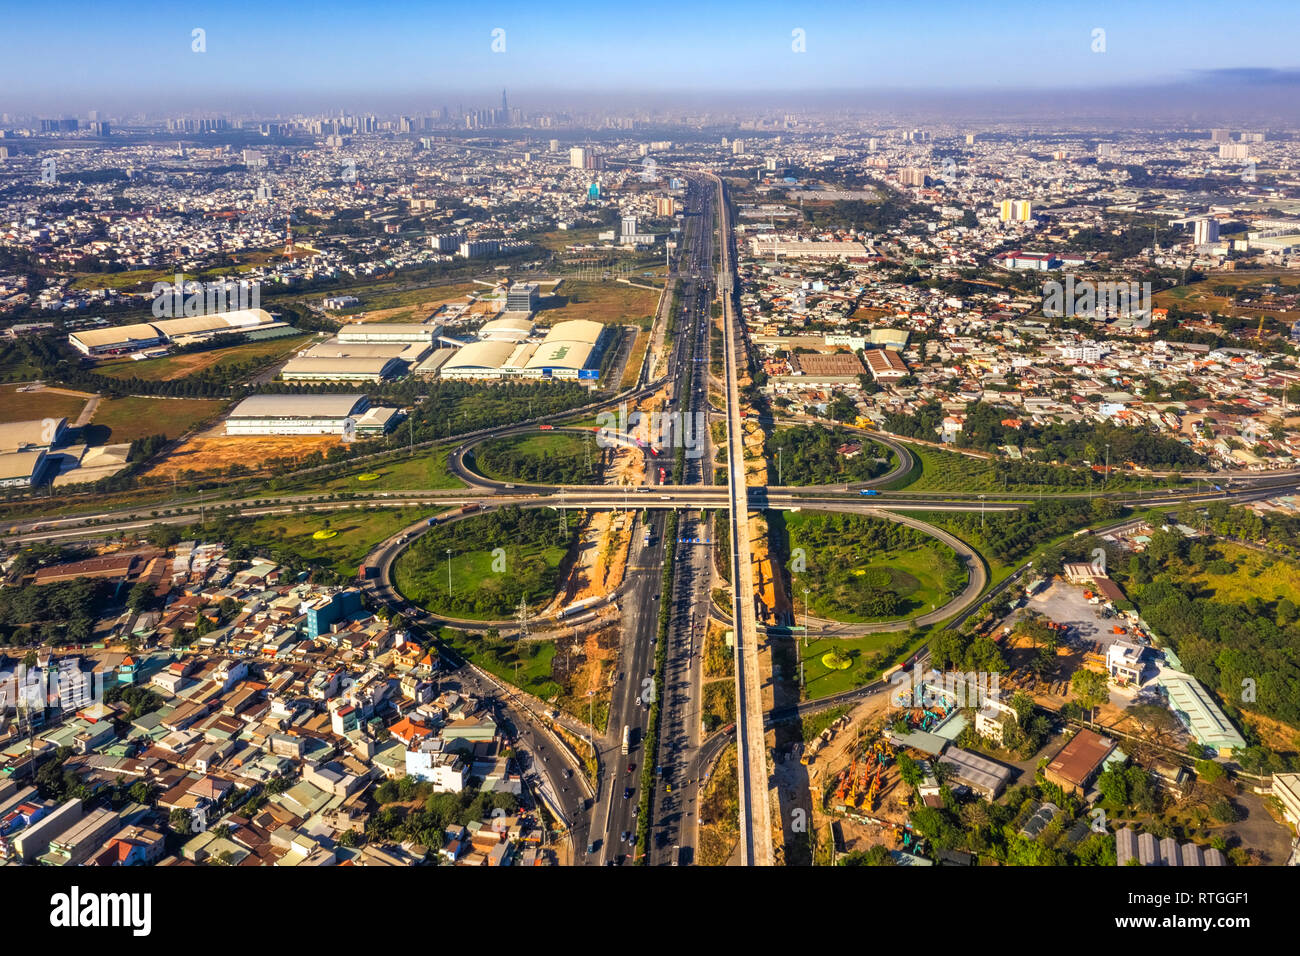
(544,458)
(859,569)
(486,584)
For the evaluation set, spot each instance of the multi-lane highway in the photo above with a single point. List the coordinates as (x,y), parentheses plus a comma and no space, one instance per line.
(751,749)
(675,803)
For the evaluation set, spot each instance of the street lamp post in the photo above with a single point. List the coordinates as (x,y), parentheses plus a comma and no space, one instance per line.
(981,512)
(805,621)
(449,572)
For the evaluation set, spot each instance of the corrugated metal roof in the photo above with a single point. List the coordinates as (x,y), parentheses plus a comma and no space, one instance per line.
(300,406)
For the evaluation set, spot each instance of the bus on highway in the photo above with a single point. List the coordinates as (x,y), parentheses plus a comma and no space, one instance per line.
(627,739)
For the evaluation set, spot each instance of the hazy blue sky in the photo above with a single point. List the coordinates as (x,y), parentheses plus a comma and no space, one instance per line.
(80,54)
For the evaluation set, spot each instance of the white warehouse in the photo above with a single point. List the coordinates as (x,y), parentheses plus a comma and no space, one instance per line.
(309,415)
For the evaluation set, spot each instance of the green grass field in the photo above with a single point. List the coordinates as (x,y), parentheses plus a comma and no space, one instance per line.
(474,571)
(821,681)
(358,532)
(171,367)
(126,419)
(16,406)
(526,664)
(916,573)
(427,470)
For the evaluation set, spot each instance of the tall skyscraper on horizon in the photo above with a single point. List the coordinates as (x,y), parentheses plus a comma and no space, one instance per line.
(1206,231)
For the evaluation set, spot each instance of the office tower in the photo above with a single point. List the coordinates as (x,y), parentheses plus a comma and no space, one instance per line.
(1105,151)
(1234,151)
(555,146)
(738,148)
(970,139)
(1015,210)
(629,225)
(665,206)
(1206,231)
(1220,136)
(578,157)
(912,176)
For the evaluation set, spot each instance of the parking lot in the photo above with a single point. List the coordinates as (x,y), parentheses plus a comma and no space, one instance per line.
(1065,604)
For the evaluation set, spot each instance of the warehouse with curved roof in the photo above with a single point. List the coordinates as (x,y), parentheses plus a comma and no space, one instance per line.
(478,360)
(309,415)
(360,368)
(508,328)
(570,350)
(119,339)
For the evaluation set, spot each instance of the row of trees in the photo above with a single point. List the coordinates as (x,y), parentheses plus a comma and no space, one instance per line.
(575,461)
(1061,443)
(809,455)
(58,613)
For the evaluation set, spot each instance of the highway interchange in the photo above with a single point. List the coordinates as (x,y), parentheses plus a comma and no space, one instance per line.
(602,820)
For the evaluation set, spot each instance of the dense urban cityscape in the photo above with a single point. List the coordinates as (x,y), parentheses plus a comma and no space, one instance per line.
(579,483)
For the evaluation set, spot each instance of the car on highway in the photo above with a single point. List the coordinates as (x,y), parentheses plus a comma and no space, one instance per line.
(591,847)
(868,491)
(627,793)
(627,836)
(631,767)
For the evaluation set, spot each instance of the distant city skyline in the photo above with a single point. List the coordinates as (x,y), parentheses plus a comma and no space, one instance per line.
(140,56)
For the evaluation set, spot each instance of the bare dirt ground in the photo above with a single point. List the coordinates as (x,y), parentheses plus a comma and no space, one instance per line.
(801,786)
(602,557)
(606,540)
(211,452)
(418,311)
